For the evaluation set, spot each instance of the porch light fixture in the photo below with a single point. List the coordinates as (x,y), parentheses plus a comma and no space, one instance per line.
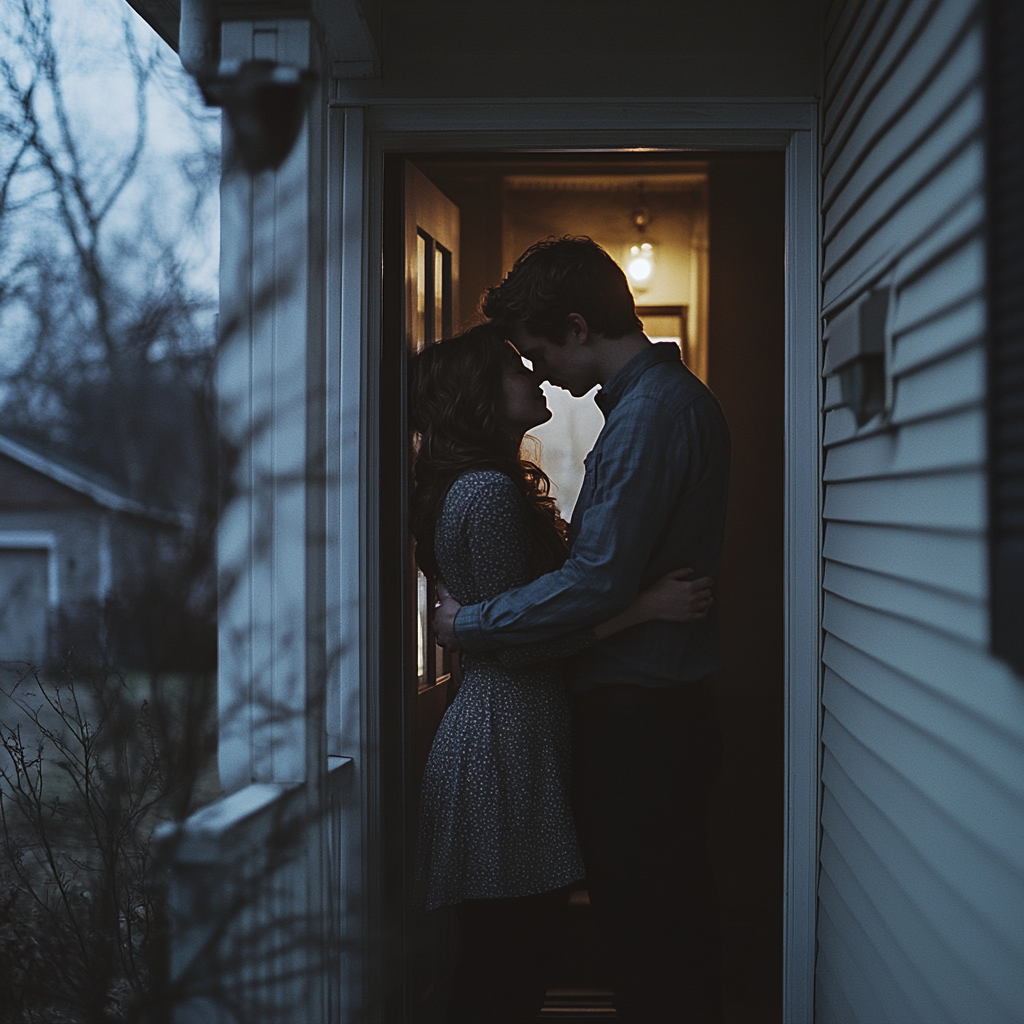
(857,352)
(264,102)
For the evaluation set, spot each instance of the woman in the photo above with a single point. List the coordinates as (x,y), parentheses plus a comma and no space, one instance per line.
(496,835)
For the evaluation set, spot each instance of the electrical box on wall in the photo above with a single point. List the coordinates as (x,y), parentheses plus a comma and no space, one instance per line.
(856,353)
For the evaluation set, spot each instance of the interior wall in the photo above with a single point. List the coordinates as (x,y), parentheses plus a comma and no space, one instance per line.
(603,207)
(509,202)
(746,372)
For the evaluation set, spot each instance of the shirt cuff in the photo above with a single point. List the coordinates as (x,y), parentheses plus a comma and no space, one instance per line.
(469,629)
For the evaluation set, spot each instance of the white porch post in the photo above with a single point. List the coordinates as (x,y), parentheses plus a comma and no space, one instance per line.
(270,710)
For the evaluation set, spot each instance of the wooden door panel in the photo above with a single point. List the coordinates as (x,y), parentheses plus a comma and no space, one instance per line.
(431,265)
(431,293)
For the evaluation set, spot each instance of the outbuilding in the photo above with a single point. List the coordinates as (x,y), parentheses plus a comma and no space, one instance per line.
(70,543)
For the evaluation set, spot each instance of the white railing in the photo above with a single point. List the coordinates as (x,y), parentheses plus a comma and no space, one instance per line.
(254,905)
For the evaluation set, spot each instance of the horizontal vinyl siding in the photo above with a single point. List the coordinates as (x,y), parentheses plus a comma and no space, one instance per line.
(921,886)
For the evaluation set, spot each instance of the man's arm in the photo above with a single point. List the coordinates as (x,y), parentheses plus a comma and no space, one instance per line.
(674,598)
(639,473)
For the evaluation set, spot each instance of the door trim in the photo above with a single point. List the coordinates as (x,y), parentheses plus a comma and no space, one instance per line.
(577,126)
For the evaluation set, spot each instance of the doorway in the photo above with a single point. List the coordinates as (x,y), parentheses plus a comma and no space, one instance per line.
(722,296)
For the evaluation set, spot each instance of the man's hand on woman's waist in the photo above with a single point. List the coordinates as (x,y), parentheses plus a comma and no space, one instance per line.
(444,619)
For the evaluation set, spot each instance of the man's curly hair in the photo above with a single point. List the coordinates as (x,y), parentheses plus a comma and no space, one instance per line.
(559,276)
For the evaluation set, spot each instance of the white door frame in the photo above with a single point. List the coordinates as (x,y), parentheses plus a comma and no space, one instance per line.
(360,136)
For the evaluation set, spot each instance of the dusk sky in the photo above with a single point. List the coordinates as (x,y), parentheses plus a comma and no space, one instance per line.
(162,203)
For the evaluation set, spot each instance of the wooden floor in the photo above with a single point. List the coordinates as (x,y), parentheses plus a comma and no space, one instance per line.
(580,977)
(578,1004)
(579,987)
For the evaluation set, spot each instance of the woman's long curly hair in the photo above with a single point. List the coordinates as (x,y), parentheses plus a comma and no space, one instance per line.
(456,406)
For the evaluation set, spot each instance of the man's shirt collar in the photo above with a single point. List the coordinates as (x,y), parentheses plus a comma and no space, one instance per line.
(626,376)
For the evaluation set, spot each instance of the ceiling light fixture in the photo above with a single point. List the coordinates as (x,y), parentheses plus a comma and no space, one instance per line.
(641,263)
(640,254)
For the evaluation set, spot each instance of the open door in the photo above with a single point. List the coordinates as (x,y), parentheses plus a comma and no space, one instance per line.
(431,294)
(421,280)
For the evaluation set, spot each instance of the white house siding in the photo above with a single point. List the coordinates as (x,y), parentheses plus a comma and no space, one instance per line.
(921,886)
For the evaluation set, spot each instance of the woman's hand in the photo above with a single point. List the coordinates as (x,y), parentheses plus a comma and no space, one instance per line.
(674,598)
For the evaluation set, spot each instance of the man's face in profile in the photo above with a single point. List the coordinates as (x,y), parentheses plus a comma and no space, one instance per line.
(567,366)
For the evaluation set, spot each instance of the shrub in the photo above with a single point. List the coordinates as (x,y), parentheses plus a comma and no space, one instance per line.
(92,763)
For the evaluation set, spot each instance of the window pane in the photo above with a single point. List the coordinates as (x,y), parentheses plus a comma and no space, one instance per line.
(419,313)
(422,622)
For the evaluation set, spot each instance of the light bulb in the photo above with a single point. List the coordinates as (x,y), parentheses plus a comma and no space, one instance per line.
(640,269)
(640,263)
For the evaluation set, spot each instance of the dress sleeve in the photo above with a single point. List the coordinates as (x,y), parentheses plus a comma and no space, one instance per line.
(495,536)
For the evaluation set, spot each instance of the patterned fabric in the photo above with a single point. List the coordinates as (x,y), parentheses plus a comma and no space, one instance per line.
(653,499)
(495,819)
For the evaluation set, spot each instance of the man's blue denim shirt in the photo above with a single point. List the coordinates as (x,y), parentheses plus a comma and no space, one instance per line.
(653,499)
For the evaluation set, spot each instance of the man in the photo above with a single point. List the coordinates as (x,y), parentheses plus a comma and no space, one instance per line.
(645,737)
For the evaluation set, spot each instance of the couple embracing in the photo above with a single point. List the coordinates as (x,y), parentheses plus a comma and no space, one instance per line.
(583,741)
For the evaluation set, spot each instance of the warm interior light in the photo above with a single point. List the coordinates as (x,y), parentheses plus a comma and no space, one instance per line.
(640,264)
(640,269)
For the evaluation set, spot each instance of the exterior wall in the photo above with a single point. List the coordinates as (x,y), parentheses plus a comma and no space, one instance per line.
(921,885)
(77,547)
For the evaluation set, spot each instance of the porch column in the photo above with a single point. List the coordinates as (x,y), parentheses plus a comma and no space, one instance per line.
(270,390)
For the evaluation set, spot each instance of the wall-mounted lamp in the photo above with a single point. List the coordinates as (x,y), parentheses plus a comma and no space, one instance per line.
(264,102)
(640,255)
(856,353)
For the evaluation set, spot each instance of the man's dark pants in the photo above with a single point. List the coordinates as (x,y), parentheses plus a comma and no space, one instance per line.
(644,760)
